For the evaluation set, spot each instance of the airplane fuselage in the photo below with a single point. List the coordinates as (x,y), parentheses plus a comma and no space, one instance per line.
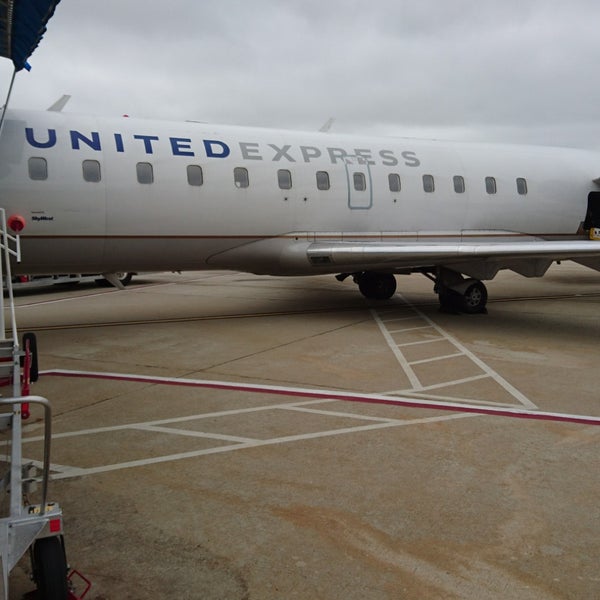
(105,195)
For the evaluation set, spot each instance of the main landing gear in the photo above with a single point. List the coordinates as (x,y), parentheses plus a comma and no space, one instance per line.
(456,293)
(372,285)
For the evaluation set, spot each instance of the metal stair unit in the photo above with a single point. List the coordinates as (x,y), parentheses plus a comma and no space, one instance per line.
(37,527)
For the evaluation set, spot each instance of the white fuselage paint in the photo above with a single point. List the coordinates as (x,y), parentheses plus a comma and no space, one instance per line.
(118,224)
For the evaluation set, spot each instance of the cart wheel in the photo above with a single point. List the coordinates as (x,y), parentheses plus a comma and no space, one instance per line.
(50,568)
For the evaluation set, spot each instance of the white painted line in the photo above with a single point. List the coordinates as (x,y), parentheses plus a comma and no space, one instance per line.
(76,471)
(330,413)
(412,376)
(409,329)
(124,427)
(438,339)
(428,396)
(435,358)
(412,317)
(513,391)
(444,384)
(198,434)
(415,382)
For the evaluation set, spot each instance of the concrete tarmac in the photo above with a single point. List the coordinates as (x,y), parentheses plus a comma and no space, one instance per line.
(252,490)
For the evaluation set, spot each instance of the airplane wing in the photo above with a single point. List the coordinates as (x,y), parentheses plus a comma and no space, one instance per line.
(479,260)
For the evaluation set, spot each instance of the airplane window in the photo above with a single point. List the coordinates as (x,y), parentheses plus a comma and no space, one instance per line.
(394,182)
(91,170)
(428,183)
(322,180)
(194,175)
(240,177)
(145,173)
(522,186)
(459,184)
(284,178)
(360,182)
(38,168)
(490,185)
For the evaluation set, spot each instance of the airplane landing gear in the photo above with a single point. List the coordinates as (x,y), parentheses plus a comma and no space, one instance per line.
(458,294)
(461,295)
(474,297)
(374,286)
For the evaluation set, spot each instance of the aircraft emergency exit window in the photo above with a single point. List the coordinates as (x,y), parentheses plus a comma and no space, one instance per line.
(194,175)
(284,178)
(459,184)
(428,183)
(145,173)
(38,168)
(394,182)
(522,186)
(360,182)
(240,177)
(91,170)
(490,185)
(322,180)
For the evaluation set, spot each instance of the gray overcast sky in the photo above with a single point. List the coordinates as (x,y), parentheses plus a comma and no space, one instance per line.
(502,70)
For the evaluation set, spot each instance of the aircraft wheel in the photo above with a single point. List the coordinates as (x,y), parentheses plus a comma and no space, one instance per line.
(50,568)
(474,297)
(449,302)
(377,286)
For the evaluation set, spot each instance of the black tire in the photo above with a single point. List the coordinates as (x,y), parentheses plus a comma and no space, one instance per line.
(50,569)
(377,286)
(450,302)
(474,298)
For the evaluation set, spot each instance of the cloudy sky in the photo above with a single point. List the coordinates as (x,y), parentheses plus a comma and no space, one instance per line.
(505,70)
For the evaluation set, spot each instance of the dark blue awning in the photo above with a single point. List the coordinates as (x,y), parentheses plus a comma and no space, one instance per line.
(22,26)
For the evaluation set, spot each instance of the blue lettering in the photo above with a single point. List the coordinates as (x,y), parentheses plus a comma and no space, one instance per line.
(210,151)
(119,142)
(148,139)
(181,146)
(33,142)
(93,143)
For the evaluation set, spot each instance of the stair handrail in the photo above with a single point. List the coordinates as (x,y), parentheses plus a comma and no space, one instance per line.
(7,252)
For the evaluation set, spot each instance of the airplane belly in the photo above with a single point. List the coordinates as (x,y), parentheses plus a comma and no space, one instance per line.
(166,252)
(55,254)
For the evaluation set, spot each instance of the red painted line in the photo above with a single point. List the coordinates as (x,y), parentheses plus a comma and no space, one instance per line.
(515,413)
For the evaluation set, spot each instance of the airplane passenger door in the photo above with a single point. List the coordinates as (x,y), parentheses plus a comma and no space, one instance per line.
(360,186)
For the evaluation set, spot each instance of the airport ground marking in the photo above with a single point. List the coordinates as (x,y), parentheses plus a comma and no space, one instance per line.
(66,472)
(317,397)
(382,317)
(324,394)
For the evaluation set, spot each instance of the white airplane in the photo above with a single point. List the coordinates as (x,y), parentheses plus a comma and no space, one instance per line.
(101,195)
